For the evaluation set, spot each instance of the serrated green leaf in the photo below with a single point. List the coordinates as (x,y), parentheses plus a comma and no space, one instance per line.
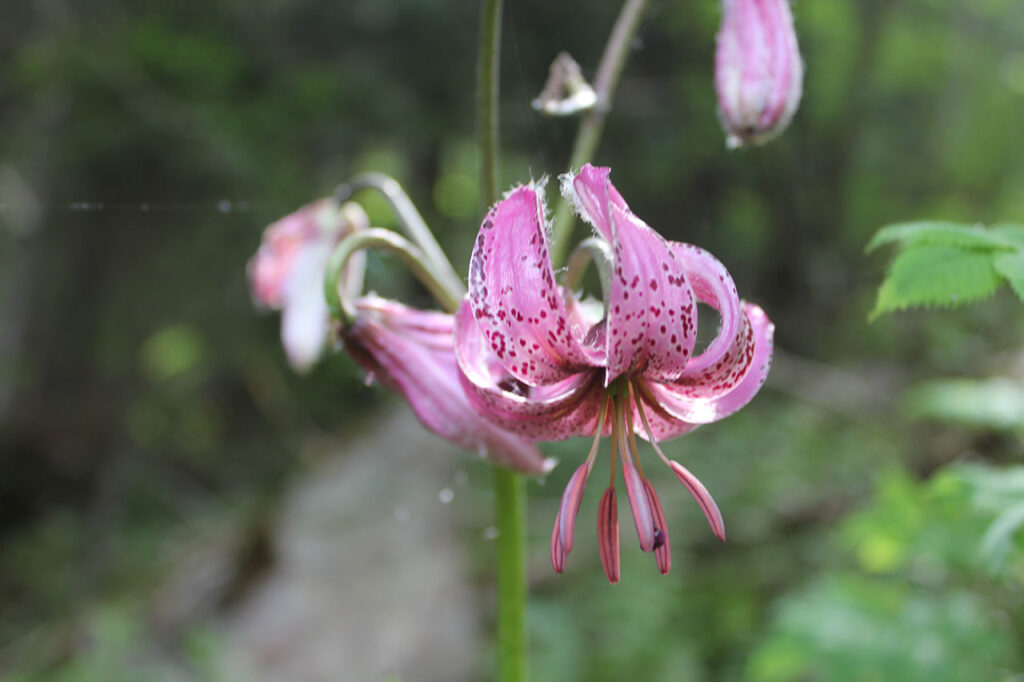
(1011,266)
(936,275)
(941,233)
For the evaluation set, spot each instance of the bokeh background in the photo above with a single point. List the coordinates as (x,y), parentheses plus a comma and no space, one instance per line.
(176,504)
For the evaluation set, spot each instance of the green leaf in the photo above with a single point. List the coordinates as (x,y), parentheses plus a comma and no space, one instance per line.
(1011,266)
(936,275)
(997,543)
(992,403)
(943,233)
(1011,232)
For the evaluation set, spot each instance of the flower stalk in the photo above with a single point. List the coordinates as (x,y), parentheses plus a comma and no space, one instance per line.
(607,80)
(509,487)
(411,222)
(339,302)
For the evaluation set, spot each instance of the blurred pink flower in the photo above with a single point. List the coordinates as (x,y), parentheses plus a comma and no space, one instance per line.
(758,70)
(412,353)
(287,273)
(539,362)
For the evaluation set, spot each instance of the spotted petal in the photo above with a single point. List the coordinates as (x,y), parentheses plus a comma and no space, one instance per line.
(557,411)
(514,297)
(713,285)
(652,316)
(411,351)
(721,390)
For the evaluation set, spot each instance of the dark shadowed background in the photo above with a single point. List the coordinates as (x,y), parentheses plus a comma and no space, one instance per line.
(176,504)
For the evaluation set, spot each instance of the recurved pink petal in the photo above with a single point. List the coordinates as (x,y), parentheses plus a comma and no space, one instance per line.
(412,352)
(305,318)
(663,425)
(608,534)
(652,315)
(516,303)
(713,285)
(662,550)
(561,410)
(570,506)
(703,497)
(731,383)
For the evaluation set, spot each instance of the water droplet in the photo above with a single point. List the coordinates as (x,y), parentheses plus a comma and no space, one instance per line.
(224,206)
(402,514)
(490,533)
(446,495)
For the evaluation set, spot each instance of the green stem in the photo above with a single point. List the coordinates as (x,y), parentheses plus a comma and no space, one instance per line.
(379,238)
(411,222)
(487,93)
(509,487)
(510,507)
(607,79)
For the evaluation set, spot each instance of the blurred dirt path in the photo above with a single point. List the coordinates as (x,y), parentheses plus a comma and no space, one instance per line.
(369,581)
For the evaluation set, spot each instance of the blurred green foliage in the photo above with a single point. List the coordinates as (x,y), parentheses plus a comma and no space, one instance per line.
(932,577)
(147,143)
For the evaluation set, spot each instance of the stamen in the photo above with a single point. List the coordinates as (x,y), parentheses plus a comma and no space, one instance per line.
(692,483)
(628,417)
(558,553)
(662,550)
(641,508)
(595,446)
(615,450)
(703,497)
(565,522)
(643,419)
(608,534)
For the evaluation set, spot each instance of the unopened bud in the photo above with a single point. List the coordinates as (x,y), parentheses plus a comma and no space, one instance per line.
(758,70)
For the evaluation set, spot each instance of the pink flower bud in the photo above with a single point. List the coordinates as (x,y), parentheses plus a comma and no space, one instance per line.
(758,70)
(287,273)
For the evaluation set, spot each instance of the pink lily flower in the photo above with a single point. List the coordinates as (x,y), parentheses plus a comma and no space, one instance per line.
(758,70)
(539,362)
(287,273)
(412,353)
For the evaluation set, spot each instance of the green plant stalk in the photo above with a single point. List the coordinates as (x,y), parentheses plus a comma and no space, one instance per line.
(411,222)
(592,125)
(422,267)
(509,487)
(510,508)
(487,99)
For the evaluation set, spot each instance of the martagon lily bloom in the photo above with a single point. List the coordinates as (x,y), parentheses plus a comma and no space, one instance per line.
(540,362)
(411,352)
(758,70)
(287,273)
